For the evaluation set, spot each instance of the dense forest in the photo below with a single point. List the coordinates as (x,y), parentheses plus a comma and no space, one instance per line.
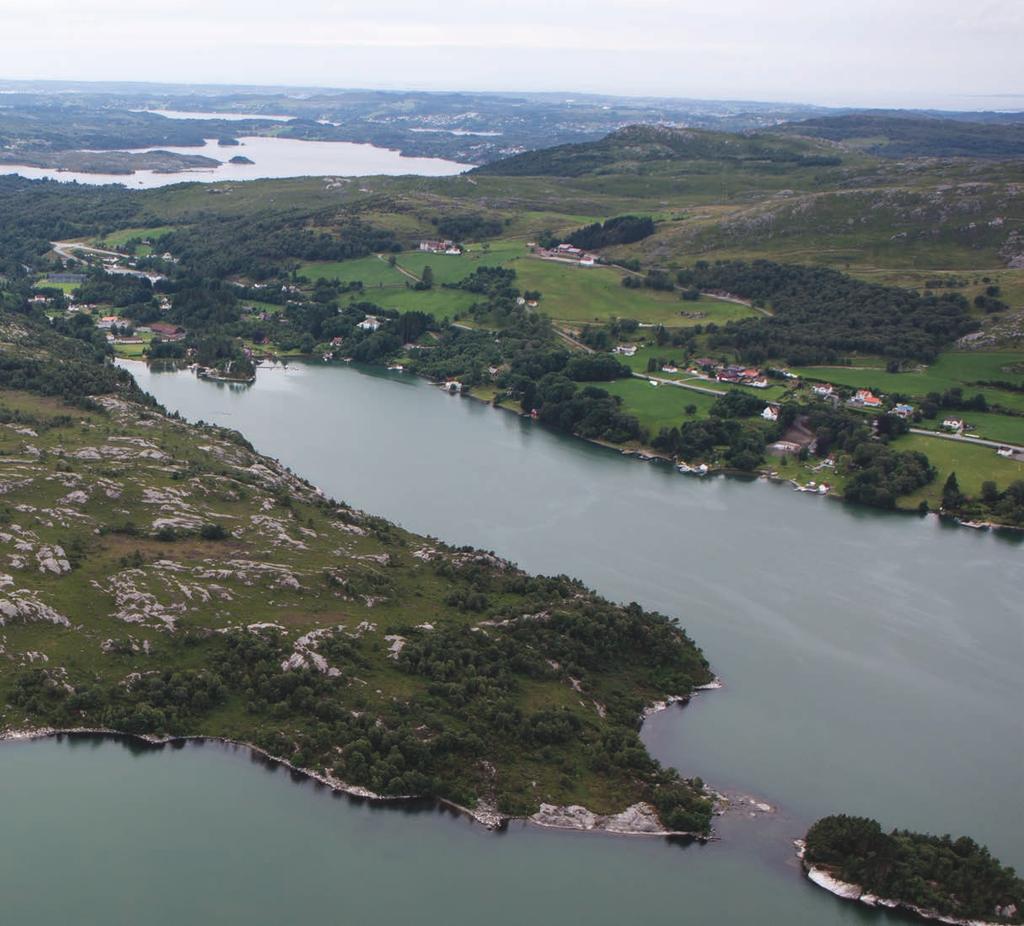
(267,246)
(952,877)
(622,229)
(34,213)
(820,315)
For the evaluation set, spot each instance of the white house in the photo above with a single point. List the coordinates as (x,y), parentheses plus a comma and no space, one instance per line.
(627,350)
(438,247)
(822,389)
(953,424)
(370,323)
(770,413)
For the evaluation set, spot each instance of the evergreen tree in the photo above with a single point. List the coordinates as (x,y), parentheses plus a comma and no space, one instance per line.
(952,497)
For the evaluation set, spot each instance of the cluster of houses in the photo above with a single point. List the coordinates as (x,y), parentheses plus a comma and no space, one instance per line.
(164,330)
(566,252)
(747,376)
(441,247)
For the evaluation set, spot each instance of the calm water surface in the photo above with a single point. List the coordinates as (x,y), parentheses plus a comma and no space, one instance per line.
(871,664)
(272,157)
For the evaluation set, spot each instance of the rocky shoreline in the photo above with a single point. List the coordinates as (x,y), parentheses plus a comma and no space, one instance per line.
(638,819)
(849,891)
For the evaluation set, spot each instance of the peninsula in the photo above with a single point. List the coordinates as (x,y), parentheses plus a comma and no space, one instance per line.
(161,579)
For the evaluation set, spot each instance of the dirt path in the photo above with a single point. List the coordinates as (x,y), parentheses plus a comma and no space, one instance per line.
(400,269)
(571,341)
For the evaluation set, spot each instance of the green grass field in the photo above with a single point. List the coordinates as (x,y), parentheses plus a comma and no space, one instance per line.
(117,238)
(657,407)
(66,288)
(570,294)
(988,425)
(439,302)
(580,295)
(372,271)
(971,463)
(952,369)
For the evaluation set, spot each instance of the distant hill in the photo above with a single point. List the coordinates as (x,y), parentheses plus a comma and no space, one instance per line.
(638,144)
(912,135)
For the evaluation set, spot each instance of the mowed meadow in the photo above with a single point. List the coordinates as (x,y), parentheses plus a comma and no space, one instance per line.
(570,294)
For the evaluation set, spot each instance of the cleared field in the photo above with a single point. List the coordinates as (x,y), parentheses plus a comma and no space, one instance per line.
(372,271)
(971,463)
(952,369)
(66,288)
(569,293)
(439,302)
(117,238)
(596,294)
(657,407)
(990,426)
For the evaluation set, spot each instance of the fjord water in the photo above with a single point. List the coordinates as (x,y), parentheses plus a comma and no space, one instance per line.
(272,158)
(871,663)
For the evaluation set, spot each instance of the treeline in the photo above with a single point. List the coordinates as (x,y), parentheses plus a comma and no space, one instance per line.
(623,229)
(269,246)
(67,359)
(820,314)
(992,503)
(952,877)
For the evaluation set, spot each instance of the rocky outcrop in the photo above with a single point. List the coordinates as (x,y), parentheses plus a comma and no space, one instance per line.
(640,819)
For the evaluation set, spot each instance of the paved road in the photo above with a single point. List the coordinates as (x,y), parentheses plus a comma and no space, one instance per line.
(966,439)
(676,382)
(65,249)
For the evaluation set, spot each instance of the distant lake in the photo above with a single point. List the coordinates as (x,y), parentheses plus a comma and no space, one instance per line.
(227,117)
(273,157)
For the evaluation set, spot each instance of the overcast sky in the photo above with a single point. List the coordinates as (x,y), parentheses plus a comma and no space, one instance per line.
(963,54)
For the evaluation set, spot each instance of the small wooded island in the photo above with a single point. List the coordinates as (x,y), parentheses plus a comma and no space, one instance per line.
(935,877)
(241,159)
